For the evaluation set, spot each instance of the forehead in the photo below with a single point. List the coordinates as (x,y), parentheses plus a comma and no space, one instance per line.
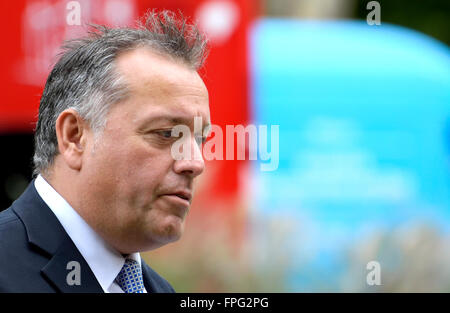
(161,85)
(147,70)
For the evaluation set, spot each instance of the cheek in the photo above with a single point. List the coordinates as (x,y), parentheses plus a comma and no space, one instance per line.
(137,172)
(129,168)
(144,165)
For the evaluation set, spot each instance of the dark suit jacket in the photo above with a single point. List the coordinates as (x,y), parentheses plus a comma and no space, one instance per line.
(35,250)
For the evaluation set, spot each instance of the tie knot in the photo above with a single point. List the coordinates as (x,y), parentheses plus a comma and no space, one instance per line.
(130,277)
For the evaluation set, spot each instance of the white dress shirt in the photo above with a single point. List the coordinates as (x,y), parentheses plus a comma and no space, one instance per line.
(104,261)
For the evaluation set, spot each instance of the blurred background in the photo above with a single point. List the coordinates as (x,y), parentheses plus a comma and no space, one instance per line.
(361,94)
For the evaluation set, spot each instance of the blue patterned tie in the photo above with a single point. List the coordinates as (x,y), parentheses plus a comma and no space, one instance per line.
(130,277)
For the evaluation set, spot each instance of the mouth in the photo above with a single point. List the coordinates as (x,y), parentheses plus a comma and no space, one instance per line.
(181,199)
(183,195)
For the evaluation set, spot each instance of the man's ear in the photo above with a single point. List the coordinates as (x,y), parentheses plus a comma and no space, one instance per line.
(71,132)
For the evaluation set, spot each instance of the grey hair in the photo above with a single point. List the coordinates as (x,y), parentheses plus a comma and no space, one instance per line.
(85,77)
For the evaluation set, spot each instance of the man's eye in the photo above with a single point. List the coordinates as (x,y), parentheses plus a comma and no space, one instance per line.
(165,133)
(200,139)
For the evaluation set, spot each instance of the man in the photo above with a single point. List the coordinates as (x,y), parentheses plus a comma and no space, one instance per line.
(107,184)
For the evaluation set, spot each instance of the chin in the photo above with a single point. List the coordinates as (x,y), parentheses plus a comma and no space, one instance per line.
(155,241)
(171,231)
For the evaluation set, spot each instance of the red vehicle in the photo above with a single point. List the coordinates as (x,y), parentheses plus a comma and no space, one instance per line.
(35,30)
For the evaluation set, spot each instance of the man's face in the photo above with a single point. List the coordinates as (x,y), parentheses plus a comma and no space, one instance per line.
(138,195)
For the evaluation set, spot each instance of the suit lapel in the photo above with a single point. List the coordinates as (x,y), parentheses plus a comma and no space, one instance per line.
(153,282)
(45,232)
(69,272)
(148,279)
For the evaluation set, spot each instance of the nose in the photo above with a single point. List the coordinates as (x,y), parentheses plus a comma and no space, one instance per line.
(191,164)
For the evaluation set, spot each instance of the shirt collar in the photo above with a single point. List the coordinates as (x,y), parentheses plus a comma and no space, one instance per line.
(104,261)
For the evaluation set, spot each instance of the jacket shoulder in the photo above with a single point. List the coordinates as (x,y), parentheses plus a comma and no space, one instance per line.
(6,217)
(11,227)
(19,264)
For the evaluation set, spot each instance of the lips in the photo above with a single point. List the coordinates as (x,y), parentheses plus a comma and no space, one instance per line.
(185,195)
(181,196)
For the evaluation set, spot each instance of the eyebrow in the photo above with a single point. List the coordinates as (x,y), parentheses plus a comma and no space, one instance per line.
(173,120)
